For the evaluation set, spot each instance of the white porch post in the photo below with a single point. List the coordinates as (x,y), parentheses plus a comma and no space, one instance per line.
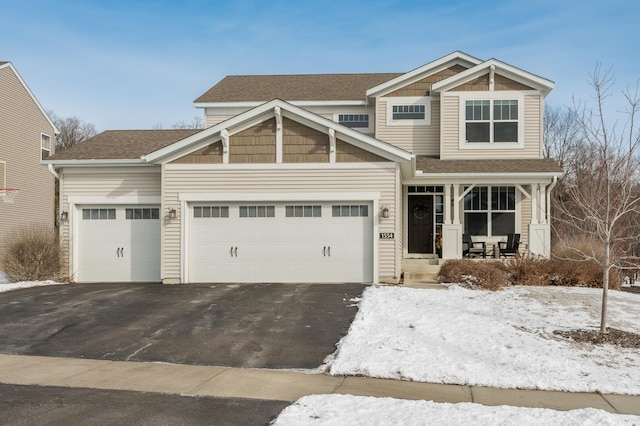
(451,232)
(539,229)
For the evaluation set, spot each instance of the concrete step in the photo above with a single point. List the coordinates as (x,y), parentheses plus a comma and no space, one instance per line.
(420,277)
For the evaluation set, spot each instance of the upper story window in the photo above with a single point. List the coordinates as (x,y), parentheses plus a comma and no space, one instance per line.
(354,120)
(45,146)
(488,121)
(409,111)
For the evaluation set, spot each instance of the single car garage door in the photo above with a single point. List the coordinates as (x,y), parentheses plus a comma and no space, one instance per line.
(119,243)
(280,242)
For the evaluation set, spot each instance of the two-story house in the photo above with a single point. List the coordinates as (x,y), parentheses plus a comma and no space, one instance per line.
(315,178)
(27,136)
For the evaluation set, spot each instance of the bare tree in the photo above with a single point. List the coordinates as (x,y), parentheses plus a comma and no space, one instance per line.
(196,123)
(561,135)
(601,201)
(72,130)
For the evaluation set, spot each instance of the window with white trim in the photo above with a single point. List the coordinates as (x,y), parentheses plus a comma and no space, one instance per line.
(409,111)
(98,214)
(45,146)
(350,211)
(491,120)
(142,213)
(210,211)
(354,121)
(490,211)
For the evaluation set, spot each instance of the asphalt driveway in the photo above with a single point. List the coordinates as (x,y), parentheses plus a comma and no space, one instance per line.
(248,325)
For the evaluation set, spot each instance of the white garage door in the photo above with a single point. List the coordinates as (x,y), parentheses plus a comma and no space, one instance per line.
(119,243)
(281,242)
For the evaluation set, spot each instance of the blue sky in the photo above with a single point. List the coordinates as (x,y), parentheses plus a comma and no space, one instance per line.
(138,64)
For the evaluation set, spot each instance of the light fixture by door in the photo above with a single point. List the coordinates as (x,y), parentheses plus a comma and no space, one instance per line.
(385,212)
(63,216)
(172,214)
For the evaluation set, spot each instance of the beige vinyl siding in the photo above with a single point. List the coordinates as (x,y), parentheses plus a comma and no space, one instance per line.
(307,180)
(420,140)
(21,126)
(210,154)
(347,153)
(450,123)
(256,144)
(108,183)
(212,120)
(302,144)
(422,87)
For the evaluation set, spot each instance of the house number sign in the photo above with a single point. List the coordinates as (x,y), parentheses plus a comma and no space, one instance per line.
(387,236)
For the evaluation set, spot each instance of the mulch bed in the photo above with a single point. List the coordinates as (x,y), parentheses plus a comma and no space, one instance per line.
(613,336)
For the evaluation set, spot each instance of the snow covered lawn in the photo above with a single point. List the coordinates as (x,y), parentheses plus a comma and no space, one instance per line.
(501,339)
(5,285)
(367,411)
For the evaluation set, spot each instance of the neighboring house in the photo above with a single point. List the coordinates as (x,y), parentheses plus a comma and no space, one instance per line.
(27,136)
(315,178)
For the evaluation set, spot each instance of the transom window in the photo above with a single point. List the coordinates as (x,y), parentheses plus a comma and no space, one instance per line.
(45,146)
(303,211)
(211,211)
(354,120)
(490,210)
(350,211)
(257,211)
(424,189)
(142,213)
(408,112)
(98,214)
(489,121)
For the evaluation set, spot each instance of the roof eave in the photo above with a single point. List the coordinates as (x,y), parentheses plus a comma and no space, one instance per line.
(97,162)
(303,103)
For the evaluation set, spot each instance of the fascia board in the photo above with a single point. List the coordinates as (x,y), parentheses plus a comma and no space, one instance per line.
(456,177)
(10,66)
(460,78)
(374,91)
(321,123)
(95,163)
(253,104)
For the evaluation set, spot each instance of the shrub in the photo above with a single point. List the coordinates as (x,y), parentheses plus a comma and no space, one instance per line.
(31,253)
(473,274)
(565,268)
(528,270)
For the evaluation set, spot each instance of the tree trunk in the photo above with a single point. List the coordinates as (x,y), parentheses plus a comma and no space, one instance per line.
(605,288)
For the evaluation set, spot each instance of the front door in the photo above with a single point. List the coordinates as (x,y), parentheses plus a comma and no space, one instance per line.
(420,221)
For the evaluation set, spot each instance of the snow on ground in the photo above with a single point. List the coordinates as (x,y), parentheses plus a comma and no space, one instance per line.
(369,411)
(501,339)
(5,285)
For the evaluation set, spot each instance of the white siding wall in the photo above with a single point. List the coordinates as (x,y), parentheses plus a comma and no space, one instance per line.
(420,140)
(99,182)
(183,179)
(212,120)
(451,132)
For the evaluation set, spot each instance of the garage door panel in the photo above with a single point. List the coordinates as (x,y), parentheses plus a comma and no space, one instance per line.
(287,247)
(118,244)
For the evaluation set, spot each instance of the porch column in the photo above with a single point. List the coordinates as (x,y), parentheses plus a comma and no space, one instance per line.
(534,203)
(539,229)
(451,232)
(543,204)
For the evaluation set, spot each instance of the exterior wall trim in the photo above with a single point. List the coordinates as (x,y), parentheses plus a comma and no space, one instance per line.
(281,166)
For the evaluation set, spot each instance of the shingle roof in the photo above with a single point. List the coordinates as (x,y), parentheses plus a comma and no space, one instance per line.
(122,144)
(537,165)
(301,87)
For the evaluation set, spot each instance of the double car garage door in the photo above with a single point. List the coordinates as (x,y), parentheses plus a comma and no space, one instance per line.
(233,242)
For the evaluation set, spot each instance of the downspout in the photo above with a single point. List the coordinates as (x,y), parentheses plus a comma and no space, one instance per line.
(52,170)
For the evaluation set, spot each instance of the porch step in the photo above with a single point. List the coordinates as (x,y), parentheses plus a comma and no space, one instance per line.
(421,273)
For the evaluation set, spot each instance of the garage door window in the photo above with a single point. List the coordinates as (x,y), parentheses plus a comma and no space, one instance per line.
(142,213)
(211,211)
(98,214)
(303,211)
(257,211)
(350,211)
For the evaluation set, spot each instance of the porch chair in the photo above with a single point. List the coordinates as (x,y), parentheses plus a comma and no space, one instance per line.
(472,248)
(510,247)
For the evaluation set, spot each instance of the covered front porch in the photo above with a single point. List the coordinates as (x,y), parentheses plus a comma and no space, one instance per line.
(483,200)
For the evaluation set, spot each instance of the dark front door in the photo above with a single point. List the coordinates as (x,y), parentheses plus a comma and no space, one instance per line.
(420,224)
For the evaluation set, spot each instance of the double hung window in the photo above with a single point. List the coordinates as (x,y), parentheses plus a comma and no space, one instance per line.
(491,120)
(490,210)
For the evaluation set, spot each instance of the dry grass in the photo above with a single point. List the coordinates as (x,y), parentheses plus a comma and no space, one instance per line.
(31,253)
(473,274)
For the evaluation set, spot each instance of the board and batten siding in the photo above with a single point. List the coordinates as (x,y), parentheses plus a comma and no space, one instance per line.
(182,179)
(109,183)
(419,140)
(21,126)
(450,123)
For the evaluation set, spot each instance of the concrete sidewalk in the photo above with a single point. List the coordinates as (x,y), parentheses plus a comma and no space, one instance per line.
(277,384)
